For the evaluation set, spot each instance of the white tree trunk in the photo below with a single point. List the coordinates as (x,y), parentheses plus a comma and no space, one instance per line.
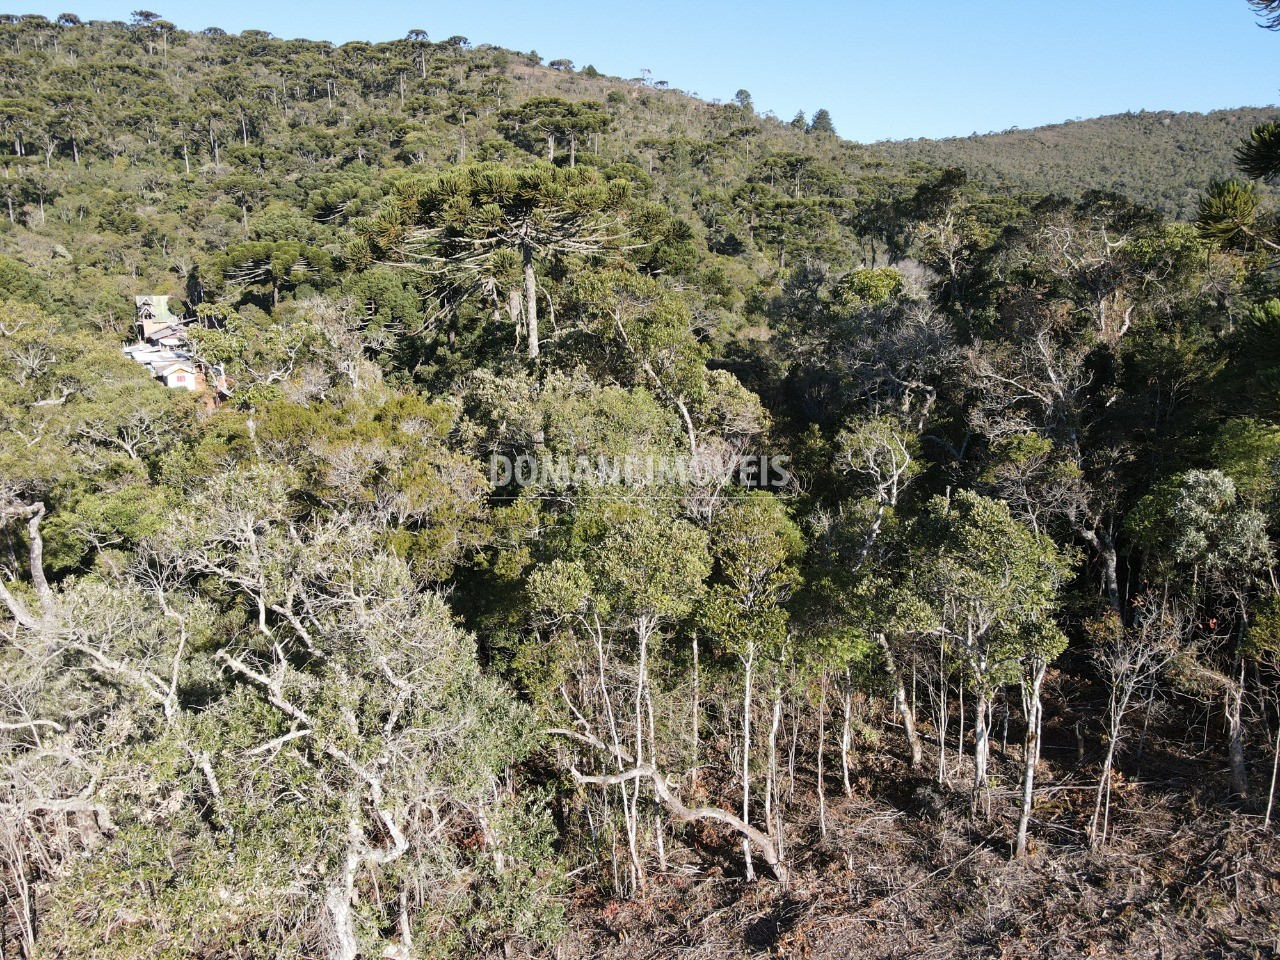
(748,664)
(1031,753)
(846,736)
(338,900)
(1235,725)
(901,702)
(531,305)
(981,748)
(773,800)
(1275,769)
(822,747)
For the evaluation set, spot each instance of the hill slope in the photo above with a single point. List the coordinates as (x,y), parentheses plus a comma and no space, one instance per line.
(213,137)
(1159,159)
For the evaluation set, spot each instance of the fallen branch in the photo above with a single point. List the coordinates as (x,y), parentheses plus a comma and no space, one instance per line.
(679,811)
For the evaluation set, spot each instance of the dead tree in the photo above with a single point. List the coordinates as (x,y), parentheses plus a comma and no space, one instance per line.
(1130,659)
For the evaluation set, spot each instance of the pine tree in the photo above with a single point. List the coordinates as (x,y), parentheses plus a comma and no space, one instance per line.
(821,122)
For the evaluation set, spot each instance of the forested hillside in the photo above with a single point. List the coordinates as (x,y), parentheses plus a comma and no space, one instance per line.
(1160,159)
(610,524)
(136,158)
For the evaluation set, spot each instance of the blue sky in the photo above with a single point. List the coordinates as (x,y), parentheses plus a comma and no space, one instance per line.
(884,68)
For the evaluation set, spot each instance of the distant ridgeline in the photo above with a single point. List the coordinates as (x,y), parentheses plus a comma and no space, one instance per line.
(1162,160)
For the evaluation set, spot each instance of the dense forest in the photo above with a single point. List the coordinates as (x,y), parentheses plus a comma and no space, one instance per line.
(615,524)
(1160,159)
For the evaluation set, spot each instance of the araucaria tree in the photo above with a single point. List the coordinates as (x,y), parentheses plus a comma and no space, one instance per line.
(480,233)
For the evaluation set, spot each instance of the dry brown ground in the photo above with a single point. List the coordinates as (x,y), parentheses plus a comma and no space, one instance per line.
(903,872)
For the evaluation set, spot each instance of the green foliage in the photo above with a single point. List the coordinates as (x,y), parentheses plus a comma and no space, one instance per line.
(18,283)
(1259,156)
(821,122)
(1194,521)
(1252,374)
(756,547)
(646,329)
(1231,215)
(994,586)
(276,266)
(869,287)
(633,566)
(551,119)
(1248,452)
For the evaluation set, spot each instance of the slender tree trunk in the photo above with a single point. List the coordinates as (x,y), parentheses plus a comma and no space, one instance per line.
(822,749)
(35,553)
(1004,725)
(551,310)
(748,665)
(338,900)
(901,703)
(1275,769)
(676,400)
(697,707)
(1030,751)
(1104,546)
(1104,792)
(618,755)
(943,715)
(642,677)
(981,748)
(846,733)
(1235,725)
(1110,579)
(659,831)
(530,303)
(793,746)
(513,312)
(772,800)
(406,928)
